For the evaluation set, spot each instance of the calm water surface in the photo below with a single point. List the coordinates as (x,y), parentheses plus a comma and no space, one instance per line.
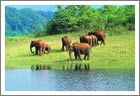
(50,80)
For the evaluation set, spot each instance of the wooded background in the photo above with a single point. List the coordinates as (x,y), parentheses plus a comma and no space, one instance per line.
(112,19)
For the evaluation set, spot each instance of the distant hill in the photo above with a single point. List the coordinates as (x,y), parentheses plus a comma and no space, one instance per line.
(25,21)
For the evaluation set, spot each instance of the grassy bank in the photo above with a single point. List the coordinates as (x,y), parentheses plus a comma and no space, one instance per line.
(118,53)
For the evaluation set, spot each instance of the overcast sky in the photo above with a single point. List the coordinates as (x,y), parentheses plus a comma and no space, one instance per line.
(43,7)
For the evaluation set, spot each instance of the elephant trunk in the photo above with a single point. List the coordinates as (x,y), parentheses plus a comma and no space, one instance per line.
(31,49)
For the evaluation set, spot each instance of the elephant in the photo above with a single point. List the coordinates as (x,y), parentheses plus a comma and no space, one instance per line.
(86,39)
(66,41)
(79,48)
(94,40)
(39,46)
(100,36)
(47,48)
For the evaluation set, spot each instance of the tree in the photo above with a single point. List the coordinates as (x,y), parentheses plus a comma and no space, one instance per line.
(70,18)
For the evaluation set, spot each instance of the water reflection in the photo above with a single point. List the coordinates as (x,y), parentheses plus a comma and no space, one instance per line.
(53,80)
(76,67)
(40,67)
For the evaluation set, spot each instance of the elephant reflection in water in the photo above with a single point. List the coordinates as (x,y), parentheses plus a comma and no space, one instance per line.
(76,67)
(40,67)
(79,67)
(67,67)
(87,66)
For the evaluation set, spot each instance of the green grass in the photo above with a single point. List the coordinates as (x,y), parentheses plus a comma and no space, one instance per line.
(118,53)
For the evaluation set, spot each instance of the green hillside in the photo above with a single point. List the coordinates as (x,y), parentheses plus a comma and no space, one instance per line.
(25,21)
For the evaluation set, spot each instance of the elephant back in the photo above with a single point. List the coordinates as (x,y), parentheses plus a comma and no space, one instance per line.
(81,45)
(66,39)
(86,39)
(98,33)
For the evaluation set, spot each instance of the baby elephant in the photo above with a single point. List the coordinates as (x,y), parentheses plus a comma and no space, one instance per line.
(79,48)
(47,48)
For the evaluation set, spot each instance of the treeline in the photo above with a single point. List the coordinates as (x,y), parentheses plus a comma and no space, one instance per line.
(25,21)
(73,18)
(110,18)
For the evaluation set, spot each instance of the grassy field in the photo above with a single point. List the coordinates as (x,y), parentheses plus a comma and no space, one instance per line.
(118,53)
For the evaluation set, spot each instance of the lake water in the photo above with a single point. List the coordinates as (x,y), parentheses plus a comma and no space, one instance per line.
(51,80)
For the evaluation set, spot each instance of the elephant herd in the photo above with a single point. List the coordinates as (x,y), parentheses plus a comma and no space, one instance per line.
(82,47)
(40,47)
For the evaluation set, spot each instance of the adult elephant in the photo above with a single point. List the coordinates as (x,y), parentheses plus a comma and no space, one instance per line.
(66,41)
(39,46)
(94,40)
(100,36)
(47,48)
(86,39)
(79,48)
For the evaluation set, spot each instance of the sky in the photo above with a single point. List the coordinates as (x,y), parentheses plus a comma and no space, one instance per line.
(52,8)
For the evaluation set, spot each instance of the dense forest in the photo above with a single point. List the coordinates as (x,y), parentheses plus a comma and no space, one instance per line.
(25,21)
(110,18)
(73,18)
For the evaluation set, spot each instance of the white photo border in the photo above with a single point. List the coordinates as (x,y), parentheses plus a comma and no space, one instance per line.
(5,3)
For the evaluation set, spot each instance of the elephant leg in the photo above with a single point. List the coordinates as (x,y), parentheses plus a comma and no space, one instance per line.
(36,51)
(90,42)
(62,46)
(40,51)
(97,42)
(43,50)
(75,55)
(94,43)
(67,47)
(103,41)
(79,56)
(85,57)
